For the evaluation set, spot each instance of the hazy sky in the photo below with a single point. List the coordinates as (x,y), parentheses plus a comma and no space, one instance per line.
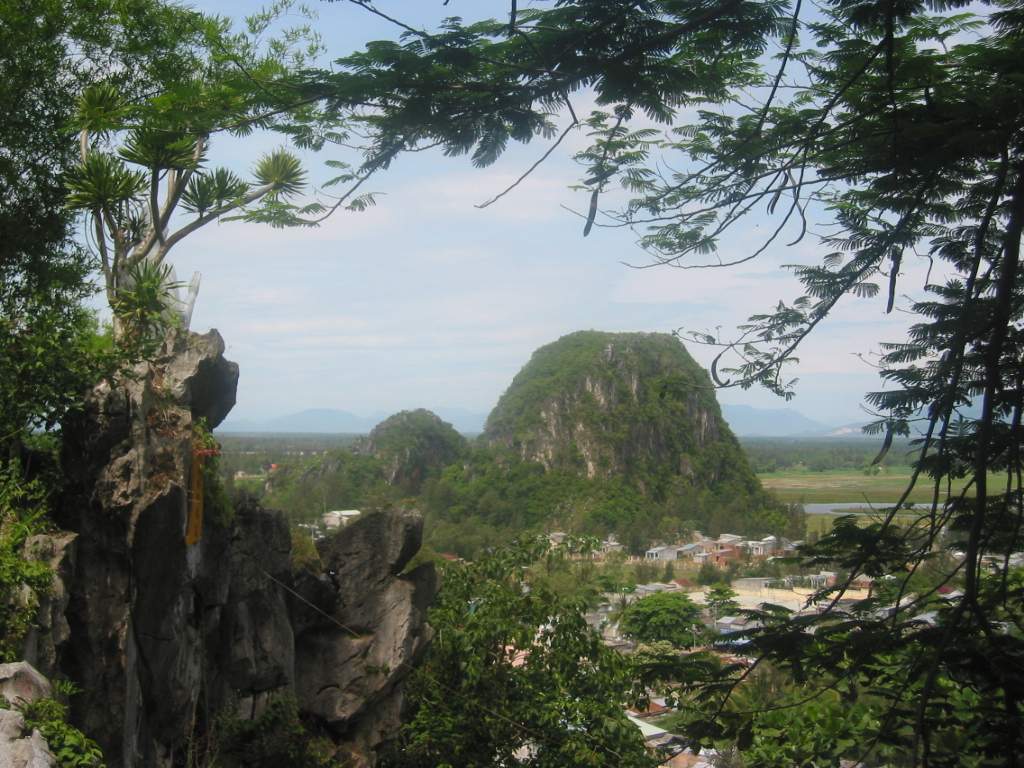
(427,301)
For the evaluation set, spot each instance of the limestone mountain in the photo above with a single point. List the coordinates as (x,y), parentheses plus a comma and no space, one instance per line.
(603,433)
(414,445)
(620,405)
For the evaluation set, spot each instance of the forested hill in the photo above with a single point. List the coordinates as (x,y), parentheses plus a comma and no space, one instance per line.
(604,432)
(598,433)
(413,445)
(628,405)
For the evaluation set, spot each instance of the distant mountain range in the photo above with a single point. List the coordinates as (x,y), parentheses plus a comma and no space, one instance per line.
(334,421)
(745,421)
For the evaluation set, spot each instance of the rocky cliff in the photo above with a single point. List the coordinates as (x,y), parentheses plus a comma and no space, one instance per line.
(628,405)
(164,636)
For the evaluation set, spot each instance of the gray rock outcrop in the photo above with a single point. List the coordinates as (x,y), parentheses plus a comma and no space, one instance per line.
(20,747)
(21,683)
(360,626)
(46,638)
(164,636)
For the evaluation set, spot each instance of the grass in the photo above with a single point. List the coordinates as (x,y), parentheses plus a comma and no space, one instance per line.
(818,525)
(844,485)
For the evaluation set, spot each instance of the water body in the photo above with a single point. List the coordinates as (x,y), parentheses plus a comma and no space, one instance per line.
(847,507)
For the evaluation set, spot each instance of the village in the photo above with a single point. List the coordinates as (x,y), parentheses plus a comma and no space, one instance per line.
(723,625)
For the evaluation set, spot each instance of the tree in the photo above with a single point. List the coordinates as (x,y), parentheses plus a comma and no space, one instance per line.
(49,350)
(897,133)
(663,616)
(142,179)
(515,671)
(709,574)
(721,601)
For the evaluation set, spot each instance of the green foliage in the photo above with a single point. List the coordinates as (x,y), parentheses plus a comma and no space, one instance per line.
(709,574)
(670,617)
(769,454)
(218,507)
(721,600)
(276,738)
(415,446)
(22,578)
(513,669)
(51,346)
(69,746)
(143,304)
(336,479)
(304,554)
(895,125)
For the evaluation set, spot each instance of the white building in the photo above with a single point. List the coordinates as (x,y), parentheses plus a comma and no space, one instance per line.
(667,552)
(339,518)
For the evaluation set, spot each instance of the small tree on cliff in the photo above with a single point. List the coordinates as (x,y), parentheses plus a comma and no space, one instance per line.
(142,179)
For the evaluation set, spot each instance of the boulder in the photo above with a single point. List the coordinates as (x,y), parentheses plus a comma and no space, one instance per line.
(20,748)
(20,682)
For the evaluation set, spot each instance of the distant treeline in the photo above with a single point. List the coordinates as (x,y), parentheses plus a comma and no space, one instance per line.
(253,452)
(774,454)
(486,496)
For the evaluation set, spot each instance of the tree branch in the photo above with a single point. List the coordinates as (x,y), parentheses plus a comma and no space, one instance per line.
(205,219)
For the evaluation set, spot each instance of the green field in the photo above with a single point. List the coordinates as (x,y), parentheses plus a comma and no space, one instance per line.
(844,485)
(818,525)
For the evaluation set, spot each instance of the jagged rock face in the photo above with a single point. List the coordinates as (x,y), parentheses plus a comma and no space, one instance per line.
(413,445)
(630,405)
(164,636)
(50,632)
(350,679)
(134,609)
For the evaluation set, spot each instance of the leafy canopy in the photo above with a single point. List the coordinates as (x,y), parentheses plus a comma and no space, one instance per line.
(515,675)
(886,132)
(664,616)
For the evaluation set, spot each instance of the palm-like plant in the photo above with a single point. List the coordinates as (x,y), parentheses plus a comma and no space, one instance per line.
(144,301)
(142,179)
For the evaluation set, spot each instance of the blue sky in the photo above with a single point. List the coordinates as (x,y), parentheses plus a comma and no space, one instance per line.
(427,301)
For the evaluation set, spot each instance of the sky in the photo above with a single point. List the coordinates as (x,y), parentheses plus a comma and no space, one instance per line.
(427,301)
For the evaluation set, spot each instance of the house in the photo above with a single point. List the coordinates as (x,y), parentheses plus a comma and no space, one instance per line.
(662,553)
(725,553)
(726,625)
(643,590)
(339,518)
(610,545)
(690,550)
(555,538)
(766,547)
